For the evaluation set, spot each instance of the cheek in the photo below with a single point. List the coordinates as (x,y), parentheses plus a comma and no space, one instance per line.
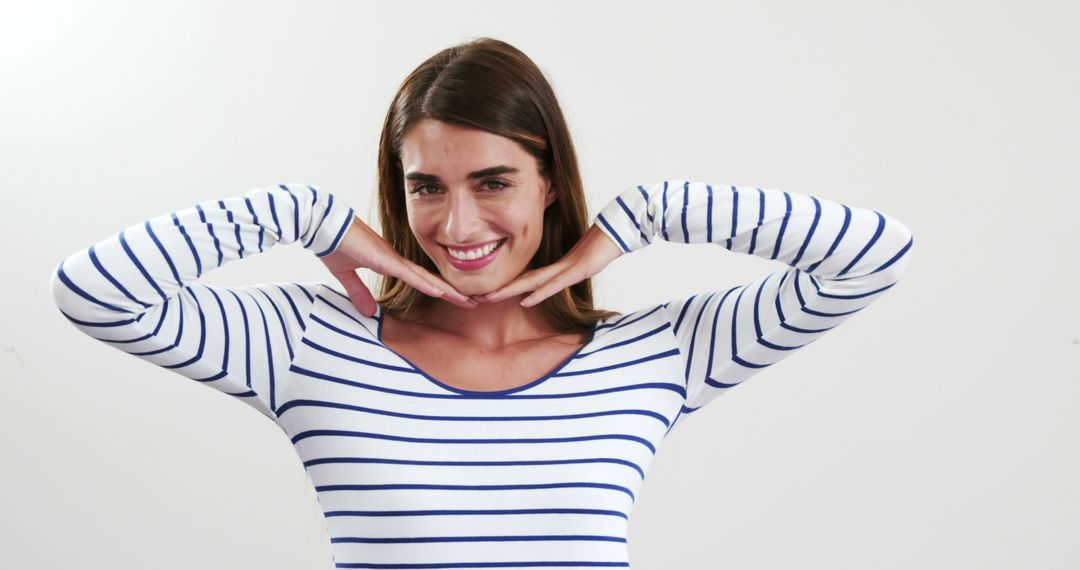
(420,225)
(531,230)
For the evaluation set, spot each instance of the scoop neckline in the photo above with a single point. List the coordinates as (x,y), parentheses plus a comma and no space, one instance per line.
(481,393)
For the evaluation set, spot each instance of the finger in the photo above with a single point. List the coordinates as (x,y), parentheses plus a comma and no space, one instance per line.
(524,283)
(562,280)
(403,270)
(357,292)
(449,291)
(416,275)
(445,291)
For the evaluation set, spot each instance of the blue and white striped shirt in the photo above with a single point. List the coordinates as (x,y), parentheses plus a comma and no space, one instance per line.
(413,473)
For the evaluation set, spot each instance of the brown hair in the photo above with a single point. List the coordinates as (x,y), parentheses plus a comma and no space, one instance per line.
(488,84)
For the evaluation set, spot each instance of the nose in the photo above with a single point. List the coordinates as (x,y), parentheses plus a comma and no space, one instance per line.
(464,218)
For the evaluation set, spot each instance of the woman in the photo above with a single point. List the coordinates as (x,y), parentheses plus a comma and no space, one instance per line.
(481,412)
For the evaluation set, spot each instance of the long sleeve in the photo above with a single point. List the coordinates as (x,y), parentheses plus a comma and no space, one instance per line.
(839,260)
(137,290)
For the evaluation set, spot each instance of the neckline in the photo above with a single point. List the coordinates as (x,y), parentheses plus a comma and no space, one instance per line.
(379,316)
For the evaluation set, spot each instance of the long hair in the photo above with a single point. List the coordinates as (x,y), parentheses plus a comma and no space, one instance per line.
(488,84)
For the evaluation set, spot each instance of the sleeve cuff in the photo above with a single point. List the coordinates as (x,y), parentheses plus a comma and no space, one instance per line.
(625,220)
(332,231)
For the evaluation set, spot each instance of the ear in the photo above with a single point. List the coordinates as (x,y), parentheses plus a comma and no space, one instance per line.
(551,196)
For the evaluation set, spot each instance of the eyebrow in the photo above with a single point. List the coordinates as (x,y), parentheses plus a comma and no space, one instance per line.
(490,171)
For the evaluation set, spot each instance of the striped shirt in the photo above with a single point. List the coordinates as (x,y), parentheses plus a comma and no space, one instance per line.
(413,473)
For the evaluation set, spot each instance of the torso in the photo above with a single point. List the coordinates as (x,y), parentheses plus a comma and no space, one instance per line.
(468,367)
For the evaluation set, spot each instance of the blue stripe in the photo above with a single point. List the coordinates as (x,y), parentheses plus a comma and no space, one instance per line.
(708,217)
(663,327)
(783,227)
(165,254)
(247,339)
(101,269)
(645,194)
(292,305)
(685,203)
(675,388)
(236,227)
(97,324)
(326,212)
(663,214)
(507,417)
(70,285)
(273,214)
(142,270)
(453,512)
(210,230)
(337,238)
(390,437)
(734,215)
(254,220)
(659,355)
(296,213)
(903,251)
(190,244)
(866,248)
(836,242)
(269,349)
(760,220)
(179,331)
(694,336)
(709,367)
(281,321)
(613,233)
(486,538)
(809,234)
(303,290)
(225,337)
(202,335)
(632,218)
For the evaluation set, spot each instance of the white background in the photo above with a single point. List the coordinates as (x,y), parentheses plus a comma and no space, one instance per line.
(937,429)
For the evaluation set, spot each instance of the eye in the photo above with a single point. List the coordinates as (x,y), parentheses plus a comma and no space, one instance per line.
(418,189)
(494,184)
(498,184)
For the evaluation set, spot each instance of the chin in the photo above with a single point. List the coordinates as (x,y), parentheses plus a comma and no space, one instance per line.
(476,285)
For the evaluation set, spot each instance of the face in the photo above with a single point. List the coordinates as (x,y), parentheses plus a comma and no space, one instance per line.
(467,189)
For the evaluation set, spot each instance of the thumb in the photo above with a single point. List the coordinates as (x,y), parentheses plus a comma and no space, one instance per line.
(358,292)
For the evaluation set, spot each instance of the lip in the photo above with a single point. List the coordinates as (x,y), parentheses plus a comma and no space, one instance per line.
(473,264)
(474,245)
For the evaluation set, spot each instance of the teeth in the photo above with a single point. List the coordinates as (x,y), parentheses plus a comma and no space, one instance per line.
(474,253)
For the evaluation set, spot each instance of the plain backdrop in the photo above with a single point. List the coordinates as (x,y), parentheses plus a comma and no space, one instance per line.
(938,429)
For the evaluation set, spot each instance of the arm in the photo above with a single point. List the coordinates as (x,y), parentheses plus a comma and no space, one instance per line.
(137,290)
(840,259)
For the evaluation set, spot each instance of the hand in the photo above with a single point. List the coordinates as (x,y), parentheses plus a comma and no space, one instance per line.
(591,254)
(363,247)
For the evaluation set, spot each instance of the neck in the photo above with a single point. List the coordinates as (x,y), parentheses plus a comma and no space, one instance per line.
(490,325)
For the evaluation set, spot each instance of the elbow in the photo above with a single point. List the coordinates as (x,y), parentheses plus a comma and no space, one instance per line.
(895,245)
(63,297)
(73,302)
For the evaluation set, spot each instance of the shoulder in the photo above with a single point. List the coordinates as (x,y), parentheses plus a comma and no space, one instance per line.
(648,313)
(332,300)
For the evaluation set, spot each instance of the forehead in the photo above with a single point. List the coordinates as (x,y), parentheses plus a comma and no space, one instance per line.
(452,151)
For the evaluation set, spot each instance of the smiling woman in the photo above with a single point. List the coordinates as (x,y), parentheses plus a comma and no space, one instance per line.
(482,414)
(475,149)
(473,211)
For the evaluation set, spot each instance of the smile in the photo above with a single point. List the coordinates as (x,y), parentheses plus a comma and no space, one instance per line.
(475,252)
(473,258)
